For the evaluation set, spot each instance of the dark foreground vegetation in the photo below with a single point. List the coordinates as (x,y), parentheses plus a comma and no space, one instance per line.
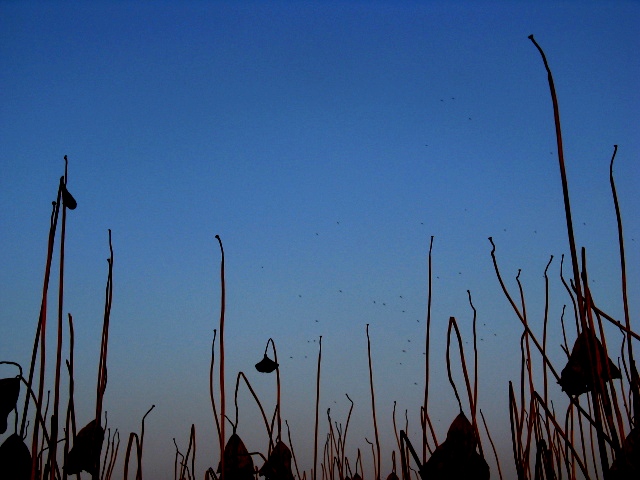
(598,436)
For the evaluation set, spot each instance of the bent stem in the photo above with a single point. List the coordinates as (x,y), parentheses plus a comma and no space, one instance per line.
(264,416)
(275,358)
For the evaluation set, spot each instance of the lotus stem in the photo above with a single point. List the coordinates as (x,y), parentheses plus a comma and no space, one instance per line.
(373,408)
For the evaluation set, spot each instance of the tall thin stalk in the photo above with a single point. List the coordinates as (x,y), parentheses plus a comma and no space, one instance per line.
(425,405)
(40,339)
(563,174)
(102,365)
(315,435)
(222,396)
(279,418)
(211,396)
(53,446)
(373,408)
(635,380)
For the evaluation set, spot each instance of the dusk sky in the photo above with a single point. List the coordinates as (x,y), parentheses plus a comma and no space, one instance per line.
(325,142)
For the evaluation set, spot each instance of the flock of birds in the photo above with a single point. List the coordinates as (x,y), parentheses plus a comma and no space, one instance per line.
(382,304)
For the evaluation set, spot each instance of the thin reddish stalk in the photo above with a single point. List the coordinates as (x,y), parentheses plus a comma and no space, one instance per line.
(278,405)
(567,441)
(516,433)
(70,420)
(40,337)
(426,360)
(141,444)
(102,365)
(53,446)
(625,303)
(315,435)
(346,428)
(563,174)
(544,328)
(373,408)
(211,396)
(192,441)
(264,416)
(293,455)
(132,437)
(493,447)
(474,420)
(454,325)
(222,396)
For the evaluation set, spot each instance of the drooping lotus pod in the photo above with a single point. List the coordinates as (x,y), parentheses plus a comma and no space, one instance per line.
(456,458)
(85,453)
(67,199)
(393,476)
(278,465)
(15,459)
(578,377)
(238,464)
(9,392)
(266,365)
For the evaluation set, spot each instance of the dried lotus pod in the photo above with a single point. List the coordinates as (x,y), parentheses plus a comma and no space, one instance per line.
(238,464)
(85,453)
(461,433)
(578,377)
(393,476)
(266,365)
(456,458)
(627,462)
(15,459)
(9,392)
(278,465)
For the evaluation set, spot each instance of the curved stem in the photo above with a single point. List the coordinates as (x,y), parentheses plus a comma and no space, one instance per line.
(275,358)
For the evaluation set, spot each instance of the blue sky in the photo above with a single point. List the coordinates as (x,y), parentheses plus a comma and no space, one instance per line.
(325,142)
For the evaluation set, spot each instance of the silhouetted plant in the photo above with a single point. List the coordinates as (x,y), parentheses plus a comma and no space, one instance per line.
(9,392)
(15,459)
(456,458)
(238,464)
(86,450)
(579,375)
(278,465)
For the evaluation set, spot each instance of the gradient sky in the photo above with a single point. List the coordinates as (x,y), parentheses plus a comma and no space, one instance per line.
(325,142)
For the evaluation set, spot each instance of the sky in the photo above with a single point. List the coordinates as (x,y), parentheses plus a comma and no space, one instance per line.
(325,143)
